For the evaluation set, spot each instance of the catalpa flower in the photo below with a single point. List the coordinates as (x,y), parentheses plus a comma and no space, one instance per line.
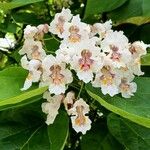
(135,66)
(69,101)
(51,107)
(65,53)
(75,31)
(30,32)
(115,40)
(80,122)
(87,60)
(55,75)
(116,47)
(127,88)
(138,48)
(42,29)
(35,71)
(8,42)
(57,25)
(118,58)
(33,49)
(108,80)
(101,29)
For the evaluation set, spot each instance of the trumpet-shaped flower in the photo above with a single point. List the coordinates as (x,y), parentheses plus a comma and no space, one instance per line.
(34,68)
(51,106)
(69,101)
(55,75)
(108,80)
(127,88)
(65,53)
(57,25)
(33,49)
(30,32)
(87,60)
(75,31)
(101,29)
(138,48)
(80,122)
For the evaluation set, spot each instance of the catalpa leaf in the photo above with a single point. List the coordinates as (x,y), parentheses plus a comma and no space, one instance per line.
(12,80)
(136,108)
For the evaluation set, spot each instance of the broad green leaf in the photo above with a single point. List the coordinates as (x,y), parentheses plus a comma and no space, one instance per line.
(136,20)
(27,18)
(11,27)
(24,129)
(131,135)
(99,138)
(12,80)
(19,126)
(146,60)
(146,7)
(136,109)
(16,4)
(132,8)
(58,132)
(100,6)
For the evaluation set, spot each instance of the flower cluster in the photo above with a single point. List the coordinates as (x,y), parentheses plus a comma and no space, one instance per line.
(97,54)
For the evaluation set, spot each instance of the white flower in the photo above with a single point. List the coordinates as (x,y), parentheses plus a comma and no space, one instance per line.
(101,28)
(116,47)
(87,60)
(127,88)
(114,40)
(75,31)
(55,75)
(33,49)
(30,32)
(118,59)
(43,28)
(65,53)
(57,25)
(135,66)
(138,48)
(51,106)
(80,122)
(7,43)
(108,80)
(34,68)
(68,101)
(125,72)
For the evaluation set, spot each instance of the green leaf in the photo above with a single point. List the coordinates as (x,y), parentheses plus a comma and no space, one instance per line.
(12,80)
(100,6)
(146,7)
(131,135)
(24,129)
(58,132)
(11,27)
(27,18)
(146,60)
(16,4)
(138,20)
(51,44)
(99,138)
(132,8)
(136,109)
